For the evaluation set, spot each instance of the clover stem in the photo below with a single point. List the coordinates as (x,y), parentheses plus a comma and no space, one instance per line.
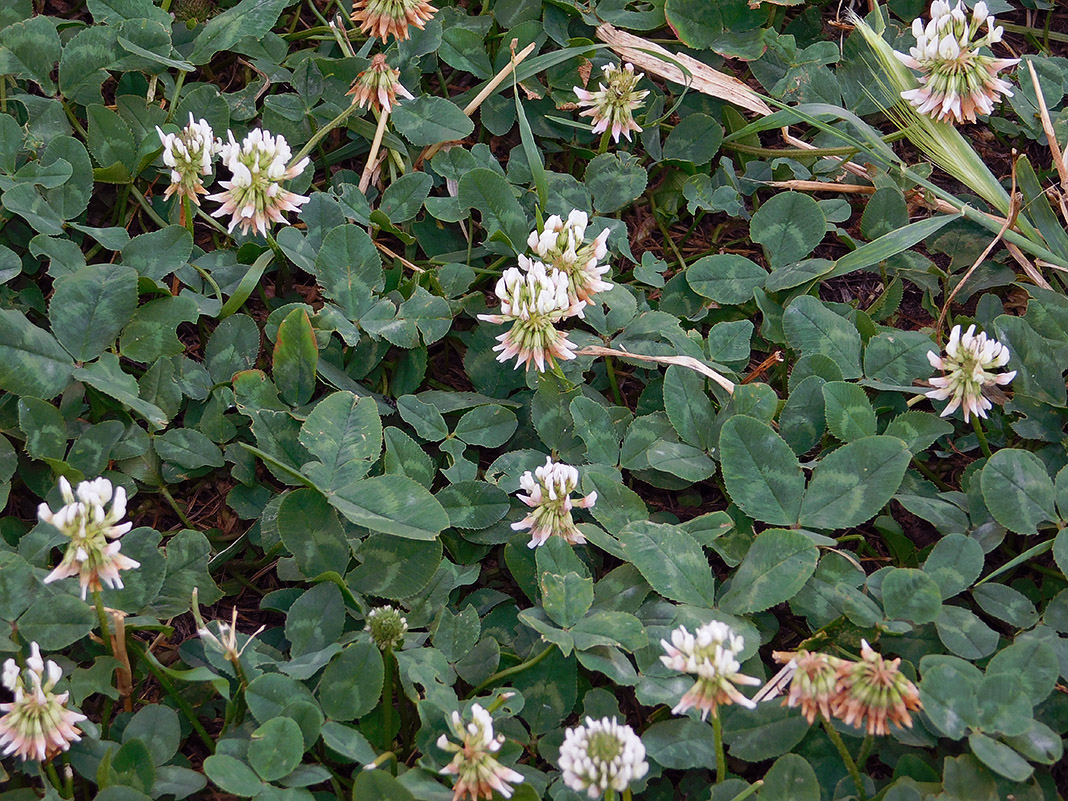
(318,136)
(748,791)
(387,702)
(851,766)
(721,758)
(509,672)
(602,146)
(102,619)
(984,446)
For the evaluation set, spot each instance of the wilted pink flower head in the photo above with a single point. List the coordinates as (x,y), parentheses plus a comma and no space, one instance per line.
(711,654)
(384,18)
(37,724)
(378,86)
(254,195)
(477,771)
(873,692)
(93,551)
(549,490)
(602,755)
(967,364)
(612,106)
(814,683)
(560,244)
(534,299)
(189,153)
(957,80)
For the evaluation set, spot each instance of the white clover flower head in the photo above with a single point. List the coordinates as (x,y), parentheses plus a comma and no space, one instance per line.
(548,492)
(534,299)
(189,153)
(560,244)
(612,106)
(957,80)
(967,366)
(378,86)
(387,627)
(36,724)
(601,754)
(711,654)
(89,554)
(477,771)
(254,197)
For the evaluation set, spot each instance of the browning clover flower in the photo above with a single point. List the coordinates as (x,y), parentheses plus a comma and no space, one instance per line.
(254,195)
(957,81)
(189,153)
(534,300)
(875,691)
(477,771)
(549,491)
(90,555)
(378,86)
(226,640)
(814,682)
(383,18)
(386,626)
(968,381)
(710,654)
(613,105)
(600,755)
(561,245)
(36,724)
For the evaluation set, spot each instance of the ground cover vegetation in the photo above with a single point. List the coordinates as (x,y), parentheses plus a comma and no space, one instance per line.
(529,399)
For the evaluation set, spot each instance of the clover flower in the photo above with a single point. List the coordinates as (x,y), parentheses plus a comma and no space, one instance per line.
(90,555)
(386,626)
(383,18)
(710,654)
(226,640)
(477,771)
(561,245)
(36,724)
(873,691)
(534,300)
(967,364)
(189,153)
(378,86)
(957,81)
(600,755)
(549,490)
(254,195)
(613,105)
(813,686)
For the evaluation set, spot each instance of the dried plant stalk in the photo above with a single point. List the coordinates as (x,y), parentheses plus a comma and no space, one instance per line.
(660,61)
(681,361)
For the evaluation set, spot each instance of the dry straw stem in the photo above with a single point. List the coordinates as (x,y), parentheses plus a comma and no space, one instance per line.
(1051,137)
(413,267)
(681,361)
(821,186)
(1014,209)
(487,90)
(660,61)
